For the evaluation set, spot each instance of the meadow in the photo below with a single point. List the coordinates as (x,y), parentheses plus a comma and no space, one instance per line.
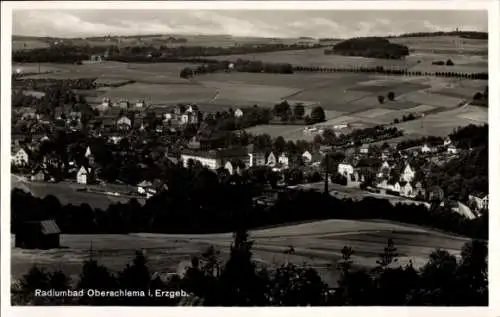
(68,193)
(469,56)
(345,97)
(316,243)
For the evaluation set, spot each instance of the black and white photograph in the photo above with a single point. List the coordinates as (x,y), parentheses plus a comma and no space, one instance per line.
(246,157)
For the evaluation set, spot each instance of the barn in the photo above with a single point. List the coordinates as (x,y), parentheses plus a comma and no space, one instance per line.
(42,234)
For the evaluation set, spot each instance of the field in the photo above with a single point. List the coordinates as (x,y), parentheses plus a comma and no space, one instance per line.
(28,44)
(317,244)
(467,55)
(443,123)
(345,97)
(67,193)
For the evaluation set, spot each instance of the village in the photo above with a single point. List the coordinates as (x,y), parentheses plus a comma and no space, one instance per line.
(361,171)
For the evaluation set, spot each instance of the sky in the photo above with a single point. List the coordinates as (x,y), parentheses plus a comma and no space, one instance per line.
(332,24)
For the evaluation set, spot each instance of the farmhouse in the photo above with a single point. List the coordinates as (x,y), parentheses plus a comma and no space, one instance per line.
(37,235)
(20,158)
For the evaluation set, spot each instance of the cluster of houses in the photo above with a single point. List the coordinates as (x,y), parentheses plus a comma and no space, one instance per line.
(237,159)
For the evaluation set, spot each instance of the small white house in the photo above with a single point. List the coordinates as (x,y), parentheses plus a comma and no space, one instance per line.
(452,149)
(307,156)
(271,160)
(407,190)
(426,148)
(124,123)
(408,174)
(21,158)
(238,113)
(283,160)
(364,149)
(345,169)
(83,175)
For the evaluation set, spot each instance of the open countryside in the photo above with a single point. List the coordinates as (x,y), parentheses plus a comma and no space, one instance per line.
(252,171)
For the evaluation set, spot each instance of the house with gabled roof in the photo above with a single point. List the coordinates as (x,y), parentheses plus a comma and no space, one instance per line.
(408,173)
(271,160)
(84,175)
(406,190)
(20,158)
(284,160)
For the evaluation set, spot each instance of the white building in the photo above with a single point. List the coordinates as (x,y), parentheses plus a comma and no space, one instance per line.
(238,113)
(407,190)
(83,175)
(364,149)
(208,159)
(408,174)
(345,169)
(452,149)
(21,158)
(271,160)
(124,123)
(283,160)
(425,149)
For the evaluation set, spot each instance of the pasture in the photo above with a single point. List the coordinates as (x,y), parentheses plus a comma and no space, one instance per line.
(443,123)
(469,56)
(28,44)
(316,243)
(67,193)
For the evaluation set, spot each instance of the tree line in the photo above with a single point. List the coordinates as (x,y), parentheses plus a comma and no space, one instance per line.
(389,71)
(69,53)
(444,280)
(201,201)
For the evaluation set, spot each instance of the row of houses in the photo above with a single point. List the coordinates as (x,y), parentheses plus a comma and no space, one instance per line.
(244,157)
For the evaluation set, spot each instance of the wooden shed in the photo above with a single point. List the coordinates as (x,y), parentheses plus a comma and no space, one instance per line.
(42,234)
